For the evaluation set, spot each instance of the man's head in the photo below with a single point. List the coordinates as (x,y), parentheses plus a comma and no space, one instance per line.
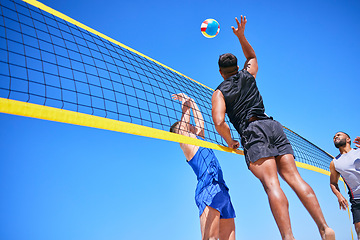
(175,127)
(341,139)
(228,65)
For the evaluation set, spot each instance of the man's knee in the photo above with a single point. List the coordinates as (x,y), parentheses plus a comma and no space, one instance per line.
(271,184)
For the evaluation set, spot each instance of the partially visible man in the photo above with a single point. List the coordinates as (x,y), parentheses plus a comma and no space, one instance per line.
(347,165)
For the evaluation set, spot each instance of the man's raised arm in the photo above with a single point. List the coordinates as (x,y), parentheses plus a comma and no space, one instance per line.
(188,103)
(251,64)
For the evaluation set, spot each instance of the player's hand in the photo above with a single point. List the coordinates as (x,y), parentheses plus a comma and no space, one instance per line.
(180,96)
(183,98)
(233,144)
(343,204)
(357,142)
(239,31)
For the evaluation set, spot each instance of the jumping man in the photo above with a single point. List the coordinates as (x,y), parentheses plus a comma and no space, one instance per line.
(266,148)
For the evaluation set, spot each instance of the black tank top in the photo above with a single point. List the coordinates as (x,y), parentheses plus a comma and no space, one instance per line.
(242,99)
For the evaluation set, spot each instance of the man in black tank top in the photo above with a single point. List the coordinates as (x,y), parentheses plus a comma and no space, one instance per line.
(266,148)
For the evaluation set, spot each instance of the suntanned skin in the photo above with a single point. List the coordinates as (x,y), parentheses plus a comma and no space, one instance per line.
(335,175)
(267,169)
(212,227)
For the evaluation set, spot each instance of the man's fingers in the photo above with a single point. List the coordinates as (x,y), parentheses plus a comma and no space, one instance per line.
(237,21)
(342,207)
(357,141)
(233,29)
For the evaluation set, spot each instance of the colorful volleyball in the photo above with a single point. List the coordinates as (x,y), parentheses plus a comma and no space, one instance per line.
(210,28)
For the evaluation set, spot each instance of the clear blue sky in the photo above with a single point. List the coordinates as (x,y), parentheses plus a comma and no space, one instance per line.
(59,181)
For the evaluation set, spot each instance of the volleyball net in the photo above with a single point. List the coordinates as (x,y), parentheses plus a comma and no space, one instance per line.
(55,68)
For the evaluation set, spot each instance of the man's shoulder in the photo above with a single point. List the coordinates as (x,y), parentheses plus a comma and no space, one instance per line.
(217,92)
(245,73)
(357,151)
(223,84)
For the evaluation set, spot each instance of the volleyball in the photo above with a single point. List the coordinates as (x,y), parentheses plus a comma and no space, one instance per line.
(210,28)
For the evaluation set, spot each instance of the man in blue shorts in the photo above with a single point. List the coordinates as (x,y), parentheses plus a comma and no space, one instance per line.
(266,148)
(347,165)
(212,195)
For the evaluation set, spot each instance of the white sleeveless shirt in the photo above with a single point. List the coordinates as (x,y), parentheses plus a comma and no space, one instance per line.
(348,165)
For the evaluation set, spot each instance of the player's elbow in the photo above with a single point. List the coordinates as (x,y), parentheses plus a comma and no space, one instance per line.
(219,126)
(218,121)
(334,187)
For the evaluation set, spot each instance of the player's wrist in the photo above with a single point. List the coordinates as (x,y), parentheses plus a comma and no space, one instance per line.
(240,35)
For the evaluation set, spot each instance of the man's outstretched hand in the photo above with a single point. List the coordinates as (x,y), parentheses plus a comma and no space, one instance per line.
(239,31)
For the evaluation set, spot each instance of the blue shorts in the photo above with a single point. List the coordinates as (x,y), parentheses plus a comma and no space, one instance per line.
(264,138)
(216,196)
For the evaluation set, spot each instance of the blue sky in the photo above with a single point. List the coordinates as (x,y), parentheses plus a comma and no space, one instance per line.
(59,181)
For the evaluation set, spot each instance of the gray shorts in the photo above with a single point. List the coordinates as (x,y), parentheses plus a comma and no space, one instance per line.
(264,138)
(355,209)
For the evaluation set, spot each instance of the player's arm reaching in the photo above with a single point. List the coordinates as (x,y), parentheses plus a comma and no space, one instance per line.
(218,101)
(251,64)
(187,104)
(334,178)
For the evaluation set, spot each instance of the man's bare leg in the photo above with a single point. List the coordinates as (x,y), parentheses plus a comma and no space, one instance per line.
(210,224)
(265,170)
(227,229)
(288,171)
(357,229)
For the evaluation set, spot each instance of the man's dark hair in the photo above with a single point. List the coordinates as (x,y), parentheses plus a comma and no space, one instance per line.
(174,126)
(227,60)
(228,64)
